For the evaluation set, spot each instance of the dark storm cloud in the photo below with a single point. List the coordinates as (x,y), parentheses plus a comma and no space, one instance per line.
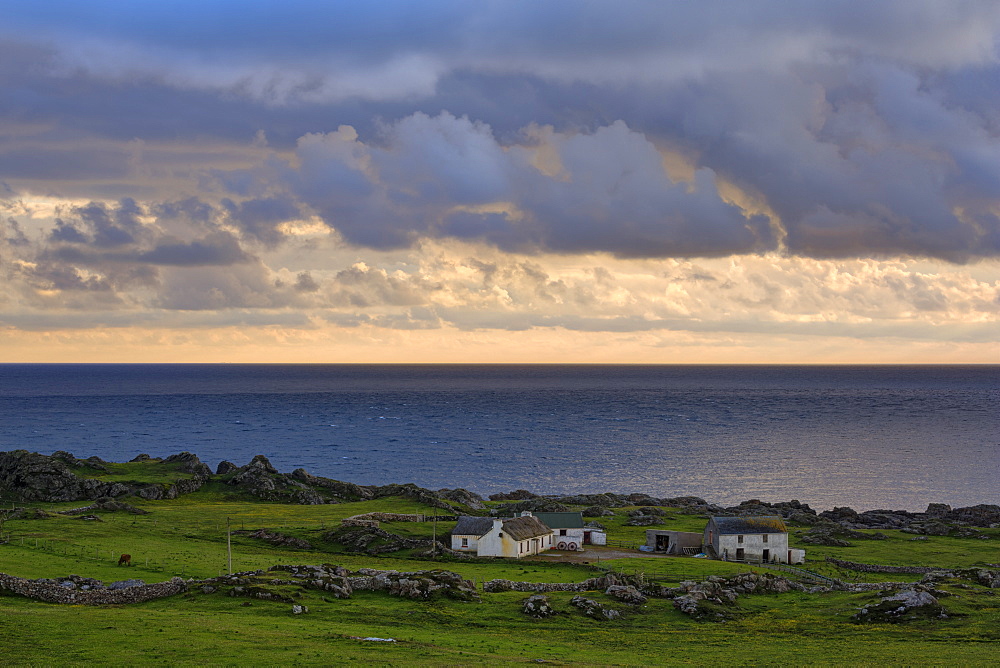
(260,218)
(868,129)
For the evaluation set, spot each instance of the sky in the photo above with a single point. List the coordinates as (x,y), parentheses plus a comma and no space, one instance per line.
(543,181)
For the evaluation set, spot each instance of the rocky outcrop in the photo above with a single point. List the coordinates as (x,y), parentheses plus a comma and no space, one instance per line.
(335,490)
(531,505)
(279,539)
(29,476)
(626,594)
(516,495)
(907,605)
(373,540)
(463,497)
(106,505)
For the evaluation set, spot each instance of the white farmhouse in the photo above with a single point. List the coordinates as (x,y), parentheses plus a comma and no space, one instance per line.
(487,537)
(759,538)
(569,532)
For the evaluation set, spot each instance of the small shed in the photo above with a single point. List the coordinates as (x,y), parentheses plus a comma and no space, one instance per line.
(569,532)
(674,542)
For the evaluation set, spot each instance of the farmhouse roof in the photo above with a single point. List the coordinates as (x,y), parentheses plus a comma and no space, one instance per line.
(754,524)
(561,520)
(472,526)
(522,528)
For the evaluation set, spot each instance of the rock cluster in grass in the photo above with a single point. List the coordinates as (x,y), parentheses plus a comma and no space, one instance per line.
(626,594)
(279,539)
(592,608)
(538,606)
(107,505)
(836,535)
(422,585)
(373,540)
(912,603)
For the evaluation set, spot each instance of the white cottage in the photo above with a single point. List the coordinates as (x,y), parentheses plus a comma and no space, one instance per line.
(488,537)
(759,538)
(569,532)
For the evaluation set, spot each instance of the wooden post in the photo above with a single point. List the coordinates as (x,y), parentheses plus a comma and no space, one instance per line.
(229,546)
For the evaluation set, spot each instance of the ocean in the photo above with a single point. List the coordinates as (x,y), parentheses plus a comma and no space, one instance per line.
(896,437)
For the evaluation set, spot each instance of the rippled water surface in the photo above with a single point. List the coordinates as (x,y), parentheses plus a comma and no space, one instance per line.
(868,437)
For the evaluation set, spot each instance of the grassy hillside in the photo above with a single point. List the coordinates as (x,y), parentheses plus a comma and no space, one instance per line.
(187,537)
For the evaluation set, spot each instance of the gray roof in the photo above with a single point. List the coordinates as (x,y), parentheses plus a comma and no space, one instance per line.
(472,526)
(522,528)
(753,524)
(561,520)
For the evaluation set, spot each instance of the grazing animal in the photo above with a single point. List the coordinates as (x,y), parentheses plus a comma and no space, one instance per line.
(125,559)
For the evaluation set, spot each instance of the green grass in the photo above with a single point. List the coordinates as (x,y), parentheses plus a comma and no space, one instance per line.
(136,472)
(187,536)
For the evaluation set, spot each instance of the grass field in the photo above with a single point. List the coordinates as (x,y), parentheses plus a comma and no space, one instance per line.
(187,537)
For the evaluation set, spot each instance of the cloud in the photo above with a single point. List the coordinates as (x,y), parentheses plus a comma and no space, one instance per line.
(449,176)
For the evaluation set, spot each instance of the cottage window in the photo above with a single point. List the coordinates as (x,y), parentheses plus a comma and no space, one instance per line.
(562,532)
(465,542)
(765,538)
(500,535)
(739,539)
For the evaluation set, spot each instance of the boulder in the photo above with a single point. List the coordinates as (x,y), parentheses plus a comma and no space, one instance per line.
(538,606)
(592,608)
(626,594)
(907,605)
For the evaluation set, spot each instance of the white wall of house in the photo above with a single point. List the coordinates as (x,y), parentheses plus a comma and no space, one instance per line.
(498,543)
(468,543)
(769,547)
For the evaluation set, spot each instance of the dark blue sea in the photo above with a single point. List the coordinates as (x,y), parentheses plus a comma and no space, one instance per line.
(866,436)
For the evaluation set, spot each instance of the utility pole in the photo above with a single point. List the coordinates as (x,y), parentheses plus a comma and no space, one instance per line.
(229,546)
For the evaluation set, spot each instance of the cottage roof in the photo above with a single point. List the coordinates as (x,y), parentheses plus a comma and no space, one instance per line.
(753,524)
(561,520)
(522,528)
(472,526)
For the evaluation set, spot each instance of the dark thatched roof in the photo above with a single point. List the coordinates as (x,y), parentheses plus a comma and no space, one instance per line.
(522,528)
(472,526)
(752,524)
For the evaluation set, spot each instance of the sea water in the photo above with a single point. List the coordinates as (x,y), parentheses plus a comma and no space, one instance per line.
(866,436)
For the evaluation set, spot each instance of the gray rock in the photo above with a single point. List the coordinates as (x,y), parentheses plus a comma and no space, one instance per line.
(626,594)
(538,606)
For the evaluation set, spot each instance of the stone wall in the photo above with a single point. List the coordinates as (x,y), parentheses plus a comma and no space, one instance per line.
(879,568)
(51,592)
(591,584)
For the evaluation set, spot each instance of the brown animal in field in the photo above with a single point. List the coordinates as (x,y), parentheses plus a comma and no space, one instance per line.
(125,559)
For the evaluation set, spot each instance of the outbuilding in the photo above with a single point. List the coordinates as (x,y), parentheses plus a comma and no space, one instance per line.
(569,532)
(753,539)
(673,542)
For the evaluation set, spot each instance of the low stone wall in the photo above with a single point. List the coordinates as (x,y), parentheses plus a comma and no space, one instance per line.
(55,593)
(388,517)
(879,568)
(591,584)
(355,522)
